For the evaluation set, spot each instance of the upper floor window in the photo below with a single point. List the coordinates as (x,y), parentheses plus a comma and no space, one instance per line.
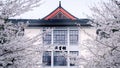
(21,32)
(73,36)
(60,37)
(47,37)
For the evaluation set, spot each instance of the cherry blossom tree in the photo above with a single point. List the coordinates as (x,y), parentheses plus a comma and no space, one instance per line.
(104,51)
(17,50)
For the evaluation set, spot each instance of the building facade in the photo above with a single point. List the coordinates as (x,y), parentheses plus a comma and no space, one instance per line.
(65,34)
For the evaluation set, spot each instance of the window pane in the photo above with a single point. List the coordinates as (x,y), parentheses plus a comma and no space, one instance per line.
(47,58)
(59,60)
(60,37)
(73,36)
(73,58)
(47,37)
(21,32)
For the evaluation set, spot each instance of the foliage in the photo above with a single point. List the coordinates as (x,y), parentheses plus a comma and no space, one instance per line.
(105,49)
(16,50)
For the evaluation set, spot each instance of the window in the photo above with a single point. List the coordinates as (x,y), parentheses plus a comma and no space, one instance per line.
(60,37)
(73,36)
(21,32)
(47,58)
(47,37)
(59,60)
(73,58)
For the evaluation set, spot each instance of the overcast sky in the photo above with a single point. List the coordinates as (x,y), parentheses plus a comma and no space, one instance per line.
(78,8)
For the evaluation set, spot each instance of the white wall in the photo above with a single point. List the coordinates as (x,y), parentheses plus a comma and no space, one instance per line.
(32,32)
(86,33)
(83,35)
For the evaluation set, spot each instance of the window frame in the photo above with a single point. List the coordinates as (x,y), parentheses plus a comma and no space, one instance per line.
(60,37)
(73,58)
(72,34)
(46,59)
(59,60)
(47,37)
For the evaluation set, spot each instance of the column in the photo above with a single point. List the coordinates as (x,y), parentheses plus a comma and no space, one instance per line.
(68,45)
(52,57)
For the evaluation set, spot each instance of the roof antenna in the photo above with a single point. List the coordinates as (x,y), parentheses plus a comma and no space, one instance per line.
(59,3)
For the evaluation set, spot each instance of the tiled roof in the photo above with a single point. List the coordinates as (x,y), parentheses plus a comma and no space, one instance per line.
(52,22)
(60,9)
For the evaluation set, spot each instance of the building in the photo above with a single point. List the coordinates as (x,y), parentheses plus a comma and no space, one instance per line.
(65,35)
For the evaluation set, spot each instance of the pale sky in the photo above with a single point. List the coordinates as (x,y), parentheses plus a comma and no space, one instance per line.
(78,8)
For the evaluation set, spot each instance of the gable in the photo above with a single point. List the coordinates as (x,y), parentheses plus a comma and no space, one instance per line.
(60,13)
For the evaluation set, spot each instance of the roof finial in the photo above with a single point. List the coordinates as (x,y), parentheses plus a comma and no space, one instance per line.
(59,3)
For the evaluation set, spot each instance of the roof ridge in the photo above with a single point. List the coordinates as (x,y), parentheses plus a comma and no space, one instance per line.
(60,9)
